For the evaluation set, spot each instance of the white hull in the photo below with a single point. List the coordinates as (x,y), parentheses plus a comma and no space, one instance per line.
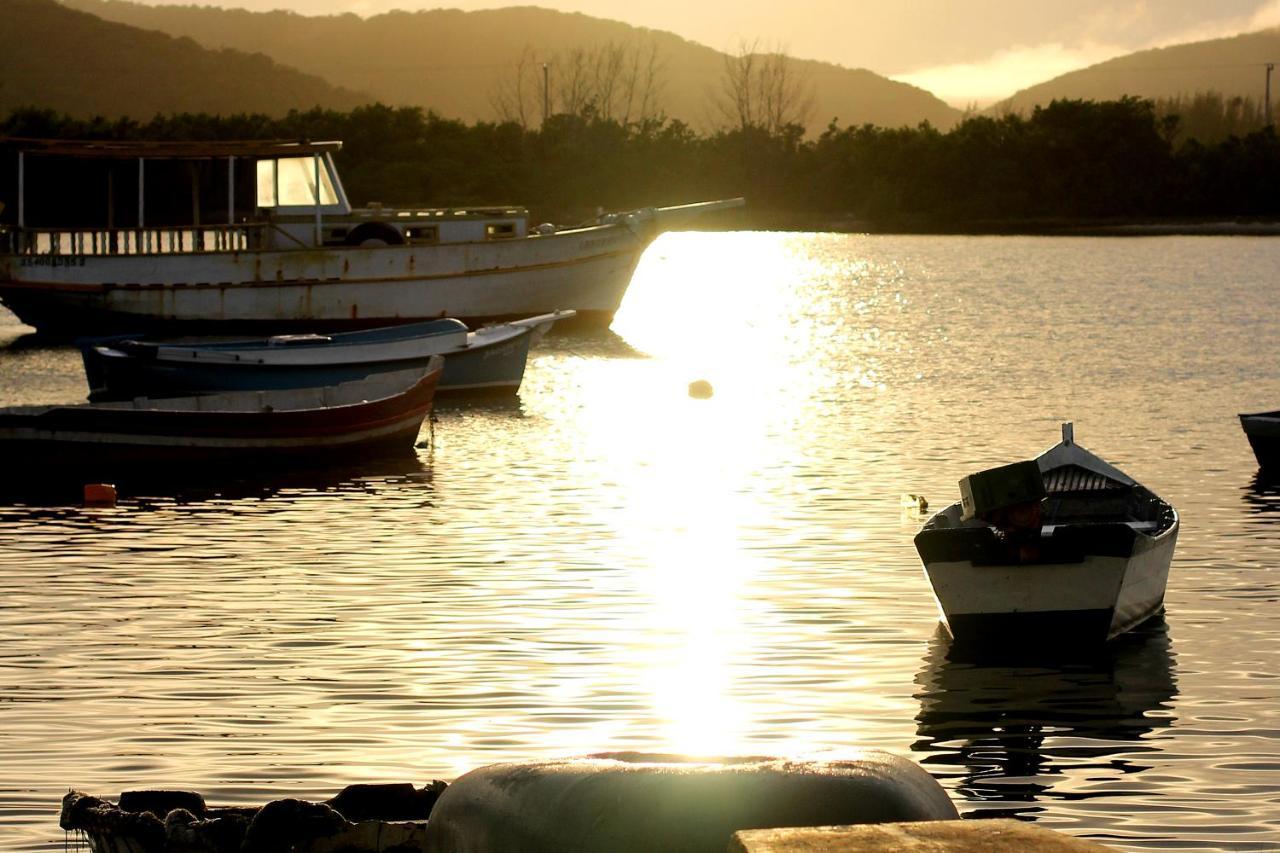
(1142,590)
(1117,592)
(585,269)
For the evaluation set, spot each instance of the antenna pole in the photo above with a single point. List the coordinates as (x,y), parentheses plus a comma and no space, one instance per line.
(547,92)
(1267,102)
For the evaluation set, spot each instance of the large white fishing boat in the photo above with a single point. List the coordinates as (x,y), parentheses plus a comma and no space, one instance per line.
(261,234)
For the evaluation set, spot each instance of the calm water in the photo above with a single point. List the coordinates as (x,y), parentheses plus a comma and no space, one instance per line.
(609,564)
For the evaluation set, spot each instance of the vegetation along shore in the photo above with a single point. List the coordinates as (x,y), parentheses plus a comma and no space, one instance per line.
(1074,166)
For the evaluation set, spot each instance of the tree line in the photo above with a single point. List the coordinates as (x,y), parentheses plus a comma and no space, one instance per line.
(1069,161)
(1212,117)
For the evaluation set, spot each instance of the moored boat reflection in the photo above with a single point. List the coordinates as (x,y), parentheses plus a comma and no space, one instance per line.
(1262,495)
(153,487)
(1017,730)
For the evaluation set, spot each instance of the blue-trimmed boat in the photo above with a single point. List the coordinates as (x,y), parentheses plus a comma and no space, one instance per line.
(490,360)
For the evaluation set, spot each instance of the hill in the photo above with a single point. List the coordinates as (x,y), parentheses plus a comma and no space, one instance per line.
(456,63)
(1233,67)
(61,59)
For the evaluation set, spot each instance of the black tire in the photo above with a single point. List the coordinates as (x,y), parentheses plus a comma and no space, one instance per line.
(374,234)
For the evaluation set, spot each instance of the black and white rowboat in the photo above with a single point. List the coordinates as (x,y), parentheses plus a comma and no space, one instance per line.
(1085,563)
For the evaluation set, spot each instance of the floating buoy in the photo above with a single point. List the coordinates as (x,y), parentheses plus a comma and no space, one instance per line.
(700,389)
(99,494)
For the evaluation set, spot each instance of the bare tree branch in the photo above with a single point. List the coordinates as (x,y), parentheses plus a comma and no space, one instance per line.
(516,96)
(616,82)
(762,89)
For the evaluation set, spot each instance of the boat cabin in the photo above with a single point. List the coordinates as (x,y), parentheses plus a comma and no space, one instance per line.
(105,197)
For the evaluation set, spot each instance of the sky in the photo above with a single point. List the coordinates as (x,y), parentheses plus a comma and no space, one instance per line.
(967,52)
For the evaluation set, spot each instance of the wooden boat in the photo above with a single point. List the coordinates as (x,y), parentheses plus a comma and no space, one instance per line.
(380,414)
(1263,432)
(261,235)
(1080,555)
(489,360)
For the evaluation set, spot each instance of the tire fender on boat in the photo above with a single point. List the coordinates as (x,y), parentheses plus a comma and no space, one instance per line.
(374,234)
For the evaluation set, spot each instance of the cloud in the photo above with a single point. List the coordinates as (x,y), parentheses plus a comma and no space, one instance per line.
(985,81)
(989,80)
(1266,17)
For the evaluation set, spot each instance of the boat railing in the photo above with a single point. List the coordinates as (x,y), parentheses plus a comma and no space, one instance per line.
(184,239)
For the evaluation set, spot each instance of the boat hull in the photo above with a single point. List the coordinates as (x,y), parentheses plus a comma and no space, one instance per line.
(152,435)
(1089,598)
(492,370)
(1263,431)
(331,288)
(488,367)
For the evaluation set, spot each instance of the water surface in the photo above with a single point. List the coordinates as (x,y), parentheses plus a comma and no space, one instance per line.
(607,563)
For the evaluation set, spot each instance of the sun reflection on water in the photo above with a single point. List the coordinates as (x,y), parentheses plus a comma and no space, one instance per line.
(696,479)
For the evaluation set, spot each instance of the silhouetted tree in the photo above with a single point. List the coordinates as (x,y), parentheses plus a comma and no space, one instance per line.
(613,81)
(1211,117)
(762,89)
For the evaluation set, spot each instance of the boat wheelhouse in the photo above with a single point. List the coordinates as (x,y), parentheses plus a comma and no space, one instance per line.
(143,236)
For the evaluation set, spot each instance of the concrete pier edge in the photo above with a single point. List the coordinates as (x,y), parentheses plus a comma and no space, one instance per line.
(1004,835)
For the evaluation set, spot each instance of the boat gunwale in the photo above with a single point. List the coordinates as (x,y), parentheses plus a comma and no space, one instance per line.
(1071,453)
(391,385)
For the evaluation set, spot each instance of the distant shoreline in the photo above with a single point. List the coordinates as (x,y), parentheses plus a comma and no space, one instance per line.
(1224,227)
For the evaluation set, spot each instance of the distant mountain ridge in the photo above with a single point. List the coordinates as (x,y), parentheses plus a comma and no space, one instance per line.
(454,62)
(58,58)
(1233,67)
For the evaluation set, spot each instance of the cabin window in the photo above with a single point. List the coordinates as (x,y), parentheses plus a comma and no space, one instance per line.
(500,230)
(266,183)
(291,182)
(423,233)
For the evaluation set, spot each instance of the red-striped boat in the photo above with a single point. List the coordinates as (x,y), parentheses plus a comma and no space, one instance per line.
(380,414)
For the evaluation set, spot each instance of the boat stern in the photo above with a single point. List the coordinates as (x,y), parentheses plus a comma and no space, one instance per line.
(1038,604)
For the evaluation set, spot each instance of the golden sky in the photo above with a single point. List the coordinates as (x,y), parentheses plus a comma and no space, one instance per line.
(964,51)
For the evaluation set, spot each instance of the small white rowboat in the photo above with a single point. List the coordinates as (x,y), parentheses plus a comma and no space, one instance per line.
(1085,563)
